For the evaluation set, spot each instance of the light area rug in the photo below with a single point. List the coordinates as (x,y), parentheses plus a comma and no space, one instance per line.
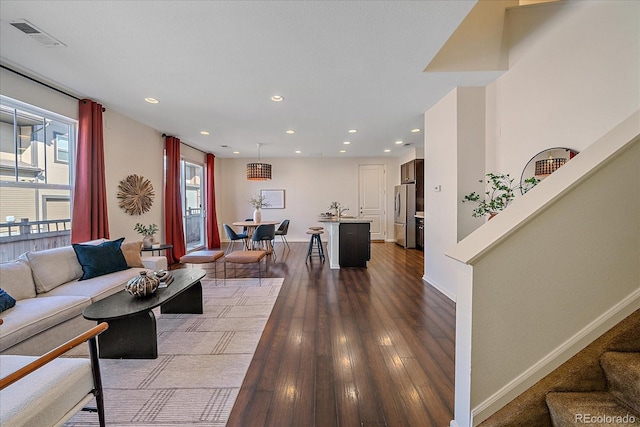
(202,361)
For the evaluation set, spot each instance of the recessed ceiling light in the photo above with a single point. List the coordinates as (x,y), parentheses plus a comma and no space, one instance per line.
(416,130)
(291,131)
(276,98)
(298,151)
(398,142)
(151,100)
(347,142)
(236,152)
(353,130)
(204,132)
(343,151)
(387,151)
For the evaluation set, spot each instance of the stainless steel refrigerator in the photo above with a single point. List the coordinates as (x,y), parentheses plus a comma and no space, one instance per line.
(404,211)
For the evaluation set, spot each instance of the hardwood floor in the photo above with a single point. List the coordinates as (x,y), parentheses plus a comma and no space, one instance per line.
(352,347)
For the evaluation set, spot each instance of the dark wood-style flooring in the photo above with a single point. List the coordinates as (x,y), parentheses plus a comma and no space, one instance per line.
(352,347)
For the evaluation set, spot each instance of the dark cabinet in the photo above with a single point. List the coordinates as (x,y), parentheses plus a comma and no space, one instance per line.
(420,233)
(419,185)
(355,244)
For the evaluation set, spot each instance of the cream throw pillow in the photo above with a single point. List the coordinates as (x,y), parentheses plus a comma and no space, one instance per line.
(131,252)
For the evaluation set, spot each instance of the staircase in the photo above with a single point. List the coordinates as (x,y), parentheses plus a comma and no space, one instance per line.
(602,379)
(619,405)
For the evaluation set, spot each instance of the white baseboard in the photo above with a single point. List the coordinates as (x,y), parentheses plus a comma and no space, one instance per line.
(453,424)
(557,357)
(445,292)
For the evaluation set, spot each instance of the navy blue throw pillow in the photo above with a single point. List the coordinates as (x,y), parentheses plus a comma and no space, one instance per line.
(98,260)
(6,300)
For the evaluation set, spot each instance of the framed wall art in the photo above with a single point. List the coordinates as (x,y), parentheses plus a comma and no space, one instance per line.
(275,198)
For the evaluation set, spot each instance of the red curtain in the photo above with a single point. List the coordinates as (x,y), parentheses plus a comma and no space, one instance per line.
(173,227)
(213,234)
(89,217)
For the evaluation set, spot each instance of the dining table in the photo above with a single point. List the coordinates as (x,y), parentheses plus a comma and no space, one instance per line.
(251,228)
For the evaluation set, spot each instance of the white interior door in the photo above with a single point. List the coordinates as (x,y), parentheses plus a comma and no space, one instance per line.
(371,198)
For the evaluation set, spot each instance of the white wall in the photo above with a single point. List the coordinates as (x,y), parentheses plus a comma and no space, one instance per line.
(16,87)
(574,74)
(440,216)
(470,156)
(132,148)
(310,185)
(454,164)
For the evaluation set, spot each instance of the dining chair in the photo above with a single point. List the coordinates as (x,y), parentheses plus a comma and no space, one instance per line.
(265,234)
(234,237)
(282,231)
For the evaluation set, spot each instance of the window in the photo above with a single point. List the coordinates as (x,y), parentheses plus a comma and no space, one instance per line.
(36,163)
(192,183)
(61,144)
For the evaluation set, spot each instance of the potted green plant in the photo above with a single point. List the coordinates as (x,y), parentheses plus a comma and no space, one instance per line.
(257,203)
(147,232)
(500,193)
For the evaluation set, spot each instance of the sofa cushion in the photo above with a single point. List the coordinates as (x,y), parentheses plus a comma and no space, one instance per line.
(34,315)
(98,260)
(53,267)
(43,397)
(6,301)
(97,287)
(131,252)
(17,279)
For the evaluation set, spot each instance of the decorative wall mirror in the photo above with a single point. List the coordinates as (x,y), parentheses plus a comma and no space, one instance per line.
(545,163)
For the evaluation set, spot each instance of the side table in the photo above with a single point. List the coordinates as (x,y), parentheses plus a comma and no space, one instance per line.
(154,248)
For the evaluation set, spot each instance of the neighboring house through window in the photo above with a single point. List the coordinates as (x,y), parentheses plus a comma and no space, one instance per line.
(36,164)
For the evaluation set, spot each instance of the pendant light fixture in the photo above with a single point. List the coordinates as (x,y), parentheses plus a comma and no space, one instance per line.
(258,171)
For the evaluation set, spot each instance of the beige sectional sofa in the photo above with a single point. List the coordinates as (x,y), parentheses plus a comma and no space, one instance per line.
(50,298)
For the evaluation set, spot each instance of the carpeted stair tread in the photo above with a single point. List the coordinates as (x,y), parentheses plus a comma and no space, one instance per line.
(623,376)
(577,409)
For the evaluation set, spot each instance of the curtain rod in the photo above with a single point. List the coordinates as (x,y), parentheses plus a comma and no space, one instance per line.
(39,82)
(164,135)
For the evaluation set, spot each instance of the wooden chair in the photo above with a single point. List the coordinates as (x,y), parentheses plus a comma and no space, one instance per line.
(48,390)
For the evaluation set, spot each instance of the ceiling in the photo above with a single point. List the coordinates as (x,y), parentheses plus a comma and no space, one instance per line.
(214,66)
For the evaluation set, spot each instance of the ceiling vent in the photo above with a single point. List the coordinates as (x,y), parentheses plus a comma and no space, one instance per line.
(36,34)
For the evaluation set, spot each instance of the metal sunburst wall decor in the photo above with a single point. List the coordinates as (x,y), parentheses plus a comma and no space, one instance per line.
(136,194)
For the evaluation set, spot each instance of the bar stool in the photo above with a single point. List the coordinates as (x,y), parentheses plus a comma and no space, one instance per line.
(315,241)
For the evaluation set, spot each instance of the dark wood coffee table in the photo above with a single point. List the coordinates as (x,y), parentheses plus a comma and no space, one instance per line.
(132,332)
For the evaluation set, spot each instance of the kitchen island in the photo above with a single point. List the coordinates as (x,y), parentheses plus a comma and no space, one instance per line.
(348,242)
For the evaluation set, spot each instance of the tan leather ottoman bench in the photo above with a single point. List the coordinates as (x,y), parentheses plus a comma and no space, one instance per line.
(245,257)
(203,257)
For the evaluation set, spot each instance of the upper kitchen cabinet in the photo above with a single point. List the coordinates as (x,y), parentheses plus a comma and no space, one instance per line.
(411,171)
(408,172)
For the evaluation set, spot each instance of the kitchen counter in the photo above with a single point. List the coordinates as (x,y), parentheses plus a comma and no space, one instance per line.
(419,215)
(352,219)
(332,225)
